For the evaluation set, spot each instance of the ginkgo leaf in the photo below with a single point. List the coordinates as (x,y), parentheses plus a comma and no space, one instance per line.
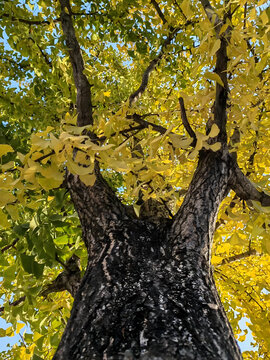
(214,131)
(6,197)
(215,147)
(89,179)
(214,76)
(49,183)
(215,47)
(179,141)
(4,149)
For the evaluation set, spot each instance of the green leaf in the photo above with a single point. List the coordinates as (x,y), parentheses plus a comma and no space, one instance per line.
(31,266)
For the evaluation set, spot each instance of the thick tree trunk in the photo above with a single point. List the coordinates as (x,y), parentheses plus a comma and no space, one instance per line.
(148,291)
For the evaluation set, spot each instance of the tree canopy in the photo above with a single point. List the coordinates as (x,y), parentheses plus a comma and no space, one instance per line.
(152,71)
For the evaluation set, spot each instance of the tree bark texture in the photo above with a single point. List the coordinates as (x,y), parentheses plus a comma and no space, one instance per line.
(148,291)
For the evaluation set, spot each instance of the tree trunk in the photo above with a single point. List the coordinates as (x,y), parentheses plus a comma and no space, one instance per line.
(148,291)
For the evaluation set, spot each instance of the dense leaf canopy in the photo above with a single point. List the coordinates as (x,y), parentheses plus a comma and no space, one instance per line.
(151,68)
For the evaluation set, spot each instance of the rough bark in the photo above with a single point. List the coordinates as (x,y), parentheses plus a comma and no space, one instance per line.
(148,291)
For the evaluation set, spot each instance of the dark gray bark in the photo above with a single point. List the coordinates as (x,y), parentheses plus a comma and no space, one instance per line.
(148,291)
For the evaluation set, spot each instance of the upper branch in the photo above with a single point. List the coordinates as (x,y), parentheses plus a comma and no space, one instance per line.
(244,188)
(145,78)
(220,106)
(185,121)
(158,10)
(84,103)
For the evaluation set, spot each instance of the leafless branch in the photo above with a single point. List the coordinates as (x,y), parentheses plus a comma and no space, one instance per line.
(14,303)
(45,56)
(145,78)
(244,188)
(5,248)
(158,10)
(185,121)
(241,256)
(139,119)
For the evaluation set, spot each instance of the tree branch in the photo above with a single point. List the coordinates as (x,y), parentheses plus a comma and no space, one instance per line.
(14,303)
(5,248)
(244,188)
(146,124)
(84,102)
(186,123)
(145,78)
(241,256)
(220,106)
(158,10)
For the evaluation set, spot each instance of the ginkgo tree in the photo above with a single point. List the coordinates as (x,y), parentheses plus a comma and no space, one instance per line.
(134,203)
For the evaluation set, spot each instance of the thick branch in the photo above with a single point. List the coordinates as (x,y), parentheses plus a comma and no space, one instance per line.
(84,103)
(244,188)
(220,106)
(69,279)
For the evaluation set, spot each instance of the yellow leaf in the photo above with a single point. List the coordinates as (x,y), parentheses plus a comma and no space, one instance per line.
(214,131)
(179,141)
(19,327)
(6,197)
(214,76)
(4,220)
(107,93)
(88,180)
(264,18)
(137,209)
(77,169)
(49,184)
(215,147)
(224,27)
(215,47)
(36,336)
(119,165)
(52,172)
(4,149)
(185,6)
(13,211)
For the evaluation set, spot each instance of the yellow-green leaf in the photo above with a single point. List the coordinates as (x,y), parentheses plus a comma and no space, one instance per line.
(4,149)
(214,77)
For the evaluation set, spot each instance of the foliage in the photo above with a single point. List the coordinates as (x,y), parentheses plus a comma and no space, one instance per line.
(39,229)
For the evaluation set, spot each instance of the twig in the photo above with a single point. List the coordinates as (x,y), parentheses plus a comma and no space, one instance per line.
(5,248)
(145,78)
(238,257)
(139,119)
(185,121)
(14,303)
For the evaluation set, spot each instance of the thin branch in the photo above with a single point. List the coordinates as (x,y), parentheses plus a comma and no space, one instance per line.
(145,78)
(45,56)
(146,124)
(185,121)
(5,248)
(158,10)
(14,303)
(238,257)
(26,21)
